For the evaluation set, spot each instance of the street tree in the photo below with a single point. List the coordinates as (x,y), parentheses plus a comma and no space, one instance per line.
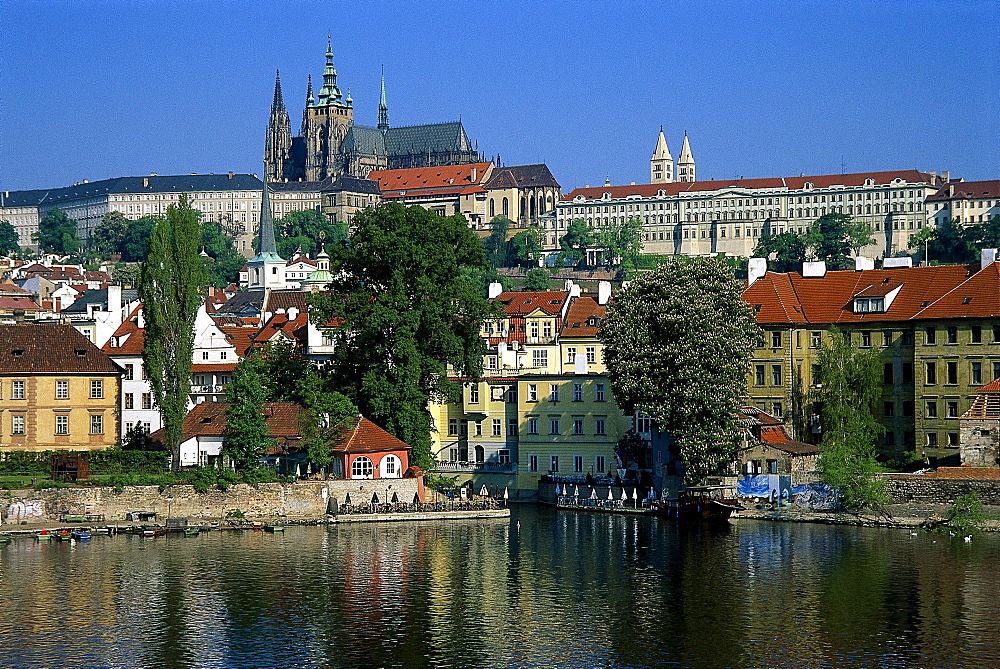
(677,344)
(57,233)
(329,414)
(109,235)
(574,244)
(8,239)
(170,286)
(788,248)
(407,309)
(245,439)
(850,385)
(496,244)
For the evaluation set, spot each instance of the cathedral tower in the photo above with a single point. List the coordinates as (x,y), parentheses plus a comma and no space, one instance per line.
(278,142)
(383,108)
(685,164)
(325,124)
(661,165)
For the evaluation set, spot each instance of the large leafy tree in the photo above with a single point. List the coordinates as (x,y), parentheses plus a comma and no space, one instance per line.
(135,242)
(245,439)
(788,248)
(170,286)
(496,244)
(677,343)
(57,233)
(537,279)
(950,243)
(329,414)
(834,237)
(851,385)
(406,309)
(109,235)
(224,266)
(621,243)
(302,229)
(574,244)
(8,239)
(526,247)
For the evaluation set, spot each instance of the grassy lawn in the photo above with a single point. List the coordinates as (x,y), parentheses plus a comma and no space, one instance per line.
(16,481)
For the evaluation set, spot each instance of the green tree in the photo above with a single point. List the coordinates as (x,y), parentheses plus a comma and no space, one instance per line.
(226,261)
(170,284)
(125,275)
(302,229)
(788,248)
(536,280)
(328,415)
(109,235)
(245,438)
(574,244)
(621,243)
(407,310)
(497,247)
(8,239)
(57,233)
(526,247)
(282,370)
(135,243)
(677,344)
(851,385)
(983,235)
(834,237)
(950,243)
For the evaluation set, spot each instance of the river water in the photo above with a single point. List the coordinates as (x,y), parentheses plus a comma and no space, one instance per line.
(541,589)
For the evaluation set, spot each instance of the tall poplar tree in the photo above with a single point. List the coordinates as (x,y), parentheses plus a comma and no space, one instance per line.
(170,286)
(677,344)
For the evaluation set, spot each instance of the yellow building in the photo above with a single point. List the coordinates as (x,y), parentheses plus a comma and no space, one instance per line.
(57,390)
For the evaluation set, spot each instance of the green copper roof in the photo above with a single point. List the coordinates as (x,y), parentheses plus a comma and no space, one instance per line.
(267,249)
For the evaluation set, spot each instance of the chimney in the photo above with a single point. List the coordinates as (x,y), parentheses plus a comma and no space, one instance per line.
(86,181)
(603,292)
(230,175)
(152,174)
(889,263)
(473,179)
(495,289)
(114,299)
(607,182)
(863,263)
(814,269)
(946,175)
(756,269)
(568,285)
(987,257)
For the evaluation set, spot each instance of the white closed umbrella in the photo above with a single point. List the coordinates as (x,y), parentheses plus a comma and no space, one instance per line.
(593,493)
(483,492)
(576,491)
(611,495)
(624,494)
(505,494)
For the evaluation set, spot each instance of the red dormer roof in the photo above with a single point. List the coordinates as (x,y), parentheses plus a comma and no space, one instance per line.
(966,190)
(296,329)
(129,339)
(522,304)
(583,319)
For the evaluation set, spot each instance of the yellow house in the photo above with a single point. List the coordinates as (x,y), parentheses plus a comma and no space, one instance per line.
(57,390)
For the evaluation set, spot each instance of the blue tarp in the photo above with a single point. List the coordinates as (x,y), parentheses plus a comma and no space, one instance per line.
(754,486)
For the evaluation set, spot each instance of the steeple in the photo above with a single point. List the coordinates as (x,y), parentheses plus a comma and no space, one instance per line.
(329,94)
(661,165)
(265,232)
(278,104)
(267,269)
(685,164)
(278,139)
(383,108)
(310,101)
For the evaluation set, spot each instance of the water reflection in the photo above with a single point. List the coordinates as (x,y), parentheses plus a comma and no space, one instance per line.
(544,589)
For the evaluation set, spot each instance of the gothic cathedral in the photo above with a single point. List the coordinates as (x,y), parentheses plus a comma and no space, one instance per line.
(330,144)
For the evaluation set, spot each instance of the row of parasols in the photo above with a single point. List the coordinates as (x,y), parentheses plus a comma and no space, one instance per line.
(563,494)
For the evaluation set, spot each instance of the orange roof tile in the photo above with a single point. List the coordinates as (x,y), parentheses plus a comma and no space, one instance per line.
(522,304)
(583,318)
(365,437)
(417,179)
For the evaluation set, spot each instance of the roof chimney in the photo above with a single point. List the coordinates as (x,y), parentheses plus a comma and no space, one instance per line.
(987,257)
(495,289)
(603,292)
(473,179)
(946,175)
(814,269)
(756,269)
(863,263)
(230,175)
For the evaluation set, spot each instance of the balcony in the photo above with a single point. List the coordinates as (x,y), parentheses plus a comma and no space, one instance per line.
(476,467)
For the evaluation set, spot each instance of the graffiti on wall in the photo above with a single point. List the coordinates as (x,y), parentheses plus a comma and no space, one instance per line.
(28,509)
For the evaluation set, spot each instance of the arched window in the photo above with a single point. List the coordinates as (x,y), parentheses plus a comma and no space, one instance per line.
(362,468)
(506,208)
(392,467)
(492,208)
(480,453)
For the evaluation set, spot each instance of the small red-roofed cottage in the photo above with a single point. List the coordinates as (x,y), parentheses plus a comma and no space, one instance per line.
(366,451)
(767,448)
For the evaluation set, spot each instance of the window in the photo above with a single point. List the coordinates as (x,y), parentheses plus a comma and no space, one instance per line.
(931,335)
(952,372)
(976,333)
(776,409)
(977,373)
(511,427)
(532,392)
(554,464)
(644,424)
(907,337)
(772,466)
(591,354)
(571,355)
(503,456)
(147,400)
(599,392)
(907,372)
(600,464)
(129,372)
(478,431)
(532,425)
(996,333)
(775,375)
(539,358)
(775,340)
(553,392)
(577,463)
(577,424)
(952,334)
(96,389)
(452,427)
(953,439)
(553,426)
(952,409)
(932,438)
(362,468)
(887,338)
(96,424)
(815,339)
(17,425)
(474,394)
(204,355)
(17,390)
(866,338)
(889,439)
(577,392)
(887,374)
(759,373)
(129,401)
(931,410)
(599,426)
(889,409)
(908,408)
(62,390)
(532,463)
(512,394)
(497,425)
(547,329)
(931,374)
(62,424)
(534,331)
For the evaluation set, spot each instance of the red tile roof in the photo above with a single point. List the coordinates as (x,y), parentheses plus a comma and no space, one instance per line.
(208,419)
(205,368)
(789,183)
(367,437)
(579,321)
(128,339)
(8,303)
(417,179)
(959,473)
(522,304)
(50,349)
(966,190)
(295,329)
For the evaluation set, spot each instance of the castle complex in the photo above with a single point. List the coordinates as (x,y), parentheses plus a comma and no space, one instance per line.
(330,144)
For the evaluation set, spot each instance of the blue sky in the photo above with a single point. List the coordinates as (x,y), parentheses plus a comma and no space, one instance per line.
(92,90)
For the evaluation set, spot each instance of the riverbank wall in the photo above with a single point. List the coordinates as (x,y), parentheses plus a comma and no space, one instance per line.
(944,485)
(305,500)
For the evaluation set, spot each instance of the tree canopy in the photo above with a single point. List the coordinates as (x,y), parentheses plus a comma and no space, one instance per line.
(109,235)
(526,247)
(954,243)
(496,244)
(406,308)
(537,279)
(677,343)
(57,233)
(621,243)
(834,238)
(135,242)
(574,244)
(301,229)
(788,248)
(8,239)
(170,284)
(224,266)
(245,438)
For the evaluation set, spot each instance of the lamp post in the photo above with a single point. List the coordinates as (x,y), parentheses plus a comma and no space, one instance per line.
(170,500)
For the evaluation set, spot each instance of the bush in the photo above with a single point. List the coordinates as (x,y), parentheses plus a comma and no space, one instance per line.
(967,516)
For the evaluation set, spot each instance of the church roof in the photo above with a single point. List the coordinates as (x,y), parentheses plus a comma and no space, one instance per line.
(364,140)
(522,176)
(349,184)
(431,180)
(432,137)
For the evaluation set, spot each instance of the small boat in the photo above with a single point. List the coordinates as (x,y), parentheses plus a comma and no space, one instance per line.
(274,528)
(64,536)
(81,536)
(153,532)
(257,525)
(192,531)
(702,503)
(44,536)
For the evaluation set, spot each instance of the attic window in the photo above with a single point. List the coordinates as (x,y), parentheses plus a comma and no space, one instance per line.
(206,419)
(80,352)
(869,305)
(555,301)
(967,300)
(924,303)
(887,279)
(17,352)
(756,308)
(593,321)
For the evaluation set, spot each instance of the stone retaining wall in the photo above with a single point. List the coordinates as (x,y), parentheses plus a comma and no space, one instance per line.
(915,489)
(305,500)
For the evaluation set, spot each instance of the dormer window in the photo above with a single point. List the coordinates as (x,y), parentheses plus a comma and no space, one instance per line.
(869,305)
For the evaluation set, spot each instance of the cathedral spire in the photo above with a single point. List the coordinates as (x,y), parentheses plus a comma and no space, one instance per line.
(685,164)
(266,246)
(661,165)
(383,108)
(278,103)
(329,93)
(278,139)
(310,100)
(267,269)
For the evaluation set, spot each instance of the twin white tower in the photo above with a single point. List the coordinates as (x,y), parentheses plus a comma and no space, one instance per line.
(661,165)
